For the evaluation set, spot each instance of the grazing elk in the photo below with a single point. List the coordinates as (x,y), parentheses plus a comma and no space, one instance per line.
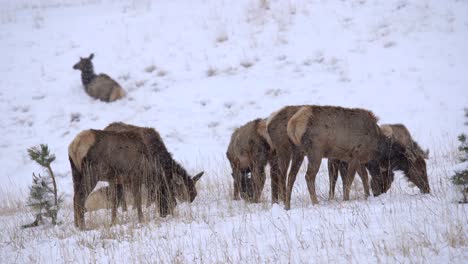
(99,86)
(116,157)
(182,185)
(352,136)
(285,150)
(249,152)
(288,152)
(397,132)
(130,158)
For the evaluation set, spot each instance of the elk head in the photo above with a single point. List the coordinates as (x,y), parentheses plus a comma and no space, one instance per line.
(84,63)
(184,188)
(394,156)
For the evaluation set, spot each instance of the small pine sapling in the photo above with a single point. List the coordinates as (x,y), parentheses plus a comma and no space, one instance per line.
(43,196)
(461,176)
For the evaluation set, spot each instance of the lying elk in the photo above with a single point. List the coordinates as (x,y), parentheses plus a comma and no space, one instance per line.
(352,136)
(97,155)
(249,152)
(181,183)
(379,184)
(99,86)
(101,198)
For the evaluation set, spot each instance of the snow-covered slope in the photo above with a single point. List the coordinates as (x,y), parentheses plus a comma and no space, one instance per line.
(195,70)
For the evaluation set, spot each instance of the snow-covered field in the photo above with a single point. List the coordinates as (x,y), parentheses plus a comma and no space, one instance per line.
(195,70)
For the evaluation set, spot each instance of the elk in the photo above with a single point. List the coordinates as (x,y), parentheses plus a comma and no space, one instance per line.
(285,150)
(116,157)
(99,86)
(101,198)
(352,136)
(288,152)
(397,132)
(181,183)
(129,158)
(249,152)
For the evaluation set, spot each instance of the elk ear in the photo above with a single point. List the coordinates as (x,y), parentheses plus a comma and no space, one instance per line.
(198,176)
(91,56)
(426,154)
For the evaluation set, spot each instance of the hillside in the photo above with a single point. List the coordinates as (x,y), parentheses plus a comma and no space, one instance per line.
(196,70)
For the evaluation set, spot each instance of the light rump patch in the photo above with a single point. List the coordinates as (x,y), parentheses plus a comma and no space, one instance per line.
(262,131)
(387,130)
(79,147)
(297,125)
(117,93)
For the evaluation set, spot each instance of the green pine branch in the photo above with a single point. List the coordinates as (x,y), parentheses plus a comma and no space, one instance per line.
(43,195)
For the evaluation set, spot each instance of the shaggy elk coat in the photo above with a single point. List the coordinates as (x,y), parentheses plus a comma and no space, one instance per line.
(249,152)
(118,158)
(181,184)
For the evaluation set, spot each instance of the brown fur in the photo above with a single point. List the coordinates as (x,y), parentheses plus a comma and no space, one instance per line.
(249,152)
(400,134)
(352,136)
(397,132)
(285,150)
(99,86)
(182,185)
(113,157)
(105,89)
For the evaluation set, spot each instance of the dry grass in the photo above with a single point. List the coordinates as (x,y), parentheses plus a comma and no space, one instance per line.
(401,226)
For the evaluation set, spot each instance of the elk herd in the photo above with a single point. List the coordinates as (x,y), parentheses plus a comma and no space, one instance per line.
(135,160)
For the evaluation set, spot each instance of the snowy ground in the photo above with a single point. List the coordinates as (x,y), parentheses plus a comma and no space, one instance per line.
(195,70)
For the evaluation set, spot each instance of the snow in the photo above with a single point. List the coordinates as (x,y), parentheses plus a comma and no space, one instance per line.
(195,70)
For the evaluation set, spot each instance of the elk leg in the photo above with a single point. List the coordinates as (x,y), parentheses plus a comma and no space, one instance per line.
(332,177)
(121,197)
(81,191)
(348,180)
(163,199)
(236,178)
(312,169)
(113,197)
(136,186)
(259,178)
(78,206)
(283,163)
(361,170)
(296,162)
(343,169)
(274,174)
